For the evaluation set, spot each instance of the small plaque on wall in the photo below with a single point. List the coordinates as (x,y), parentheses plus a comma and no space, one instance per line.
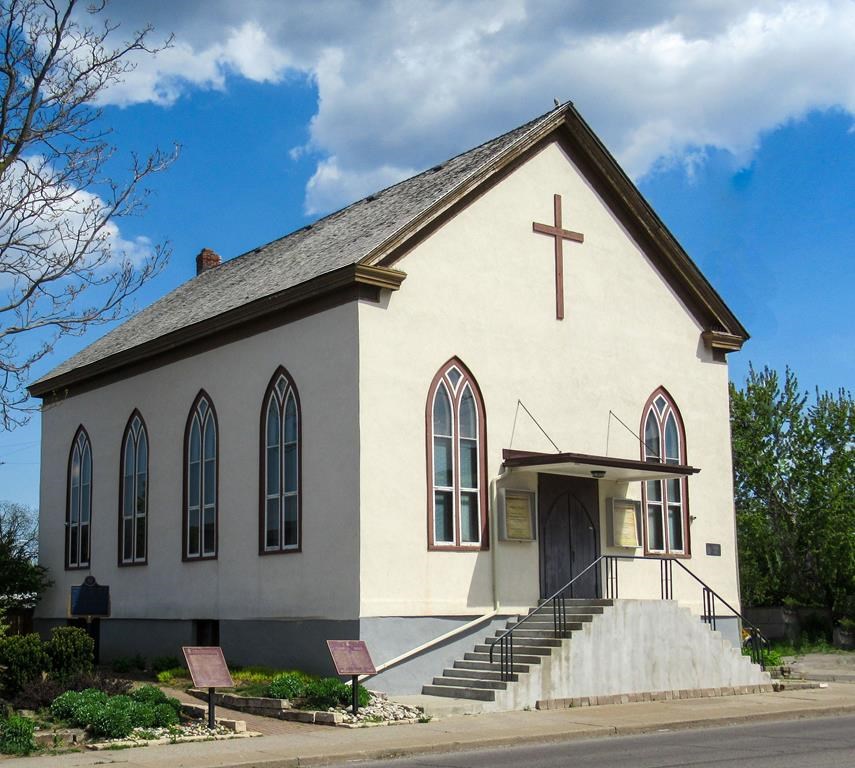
(518,515)
(624,524)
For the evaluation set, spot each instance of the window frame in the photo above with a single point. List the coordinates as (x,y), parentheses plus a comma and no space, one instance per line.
(270,392)
(185,517)
(142,432)
(670,409)
(455,393)
(82,441)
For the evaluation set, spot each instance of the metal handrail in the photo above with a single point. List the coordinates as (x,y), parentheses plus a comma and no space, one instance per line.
(505,641)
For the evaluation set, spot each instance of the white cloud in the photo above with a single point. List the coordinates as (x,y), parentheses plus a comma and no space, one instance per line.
(402,86)
(245,51)
(330,185)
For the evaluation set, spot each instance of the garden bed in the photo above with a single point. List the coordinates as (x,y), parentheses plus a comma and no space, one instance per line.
(378,710)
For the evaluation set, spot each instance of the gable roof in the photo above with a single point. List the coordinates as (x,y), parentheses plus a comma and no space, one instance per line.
(357,245)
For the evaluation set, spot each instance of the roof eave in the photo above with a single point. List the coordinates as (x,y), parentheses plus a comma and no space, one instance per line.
(316,288)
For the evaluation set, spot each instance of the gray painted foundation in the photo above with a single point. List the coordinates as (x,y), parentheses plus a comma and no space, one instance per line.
(730,628)
(389,636)
(296,644)
(301,643)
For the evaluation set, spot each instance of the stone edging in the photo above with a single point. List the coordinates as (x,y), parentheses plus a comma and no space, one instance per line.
(278,708)
(281,709)
(632,698)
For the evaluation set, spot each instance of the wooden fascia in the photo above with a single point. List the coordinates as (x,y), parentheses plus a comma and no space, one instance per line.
(303,294)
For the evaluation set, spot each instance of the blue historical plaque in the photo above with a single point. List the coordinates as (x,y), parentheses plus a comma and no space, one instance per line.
(89,599)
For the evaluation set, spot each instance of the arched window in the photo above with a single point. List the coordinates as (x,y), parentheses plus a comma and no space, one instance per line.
(201,452)
(280,466)
(78,516)
(133,493)
(665,501)
(456,461)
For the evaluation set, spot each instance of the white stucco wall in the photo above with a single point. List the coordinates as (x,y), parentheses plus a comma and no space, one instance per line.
(482,288)
(320,352)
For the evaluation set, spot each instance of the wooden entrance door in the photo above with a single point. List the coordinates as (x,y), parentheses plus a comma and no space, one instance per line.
(569,532)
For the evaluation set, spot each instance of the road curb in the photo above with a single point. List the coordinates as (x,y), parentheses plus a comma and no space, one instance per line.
(592,732)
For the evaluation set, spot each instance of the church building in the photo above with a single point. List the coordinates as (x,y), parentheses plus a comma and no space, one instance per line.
(434,407)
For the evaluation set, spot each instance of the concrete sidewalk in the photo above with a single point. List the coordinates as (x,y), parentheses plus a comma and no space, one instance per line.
(830,667)
(316,745)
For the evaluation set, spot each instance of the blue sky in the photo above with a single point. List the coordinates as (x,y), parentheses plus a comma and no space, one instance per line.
(735,119)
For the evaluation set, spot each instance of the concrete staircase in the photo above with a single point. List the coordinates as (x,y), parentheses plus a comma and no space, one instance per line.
(610,648)
(474,677)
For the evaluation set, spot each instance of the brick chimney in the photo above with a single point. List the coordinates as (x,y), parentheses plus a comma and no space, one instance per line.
(207,259)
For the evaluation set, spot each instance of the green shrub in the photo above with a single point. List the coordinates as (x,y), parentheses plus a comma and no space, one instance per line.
(16,736)
(288,685)
(162,663)
(71,651)
(155,697)
(89,703)
(114,719)
(148,694)
(166,714)
(331,692)
(64,705)
(24,658)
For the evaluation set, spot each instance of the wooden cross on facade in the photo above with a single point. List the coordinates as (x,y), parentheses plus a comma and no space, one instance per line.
(560,235)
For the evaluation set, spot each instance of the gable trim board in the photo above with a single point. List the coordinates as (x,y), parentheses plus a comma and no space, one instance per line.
(723,331)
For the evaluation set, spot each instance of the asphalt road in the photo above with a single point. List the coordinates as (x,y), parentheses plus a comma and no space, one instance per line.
(810,743)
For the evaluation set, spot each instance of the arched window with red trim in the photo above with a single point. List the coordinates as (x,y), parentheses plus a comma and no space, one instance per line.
(201,454)
(78,515)
(133,493)
(280,514)
(666,502)
(456,460)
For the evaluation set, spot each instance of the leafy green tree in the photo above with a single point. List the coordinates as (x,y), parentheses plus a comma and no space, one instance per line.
(794,478)
(22,579)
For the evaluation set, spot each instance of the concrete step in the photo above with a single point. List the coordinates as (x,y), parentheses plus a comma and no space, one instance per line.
(542,626)
(459,692)
(478,674)
(487,666)
(468,682)
(581,604)
(522,658)
(532,637)
(547,617)
(521,648)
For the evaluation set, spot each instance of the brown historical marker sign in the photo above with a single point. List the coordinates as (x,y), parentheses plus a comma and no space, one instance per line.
(207,667)
(351,657)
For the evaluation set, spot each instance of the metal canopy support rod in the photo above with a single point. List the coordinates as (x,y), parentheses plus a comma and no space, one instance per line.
(212,719)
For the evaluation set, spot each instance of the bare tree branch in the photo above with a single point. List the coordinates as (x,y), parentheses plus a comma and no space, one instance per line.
(63,265)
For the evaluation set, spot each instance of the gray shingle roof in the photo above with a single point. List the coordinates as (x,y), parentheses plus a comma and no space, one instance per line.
(343,238)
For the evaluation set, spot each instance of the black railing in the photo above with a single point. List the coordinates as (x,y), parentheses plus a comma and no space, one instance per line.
(558,604)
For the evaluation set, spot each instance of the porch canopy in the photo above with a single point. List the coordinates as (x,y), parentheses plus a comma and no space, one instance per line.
(586,465)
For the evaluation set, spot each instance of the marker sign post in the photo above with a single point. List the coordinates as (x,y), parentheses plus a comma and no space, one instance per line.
(208,669)
(89,600)
(351,657)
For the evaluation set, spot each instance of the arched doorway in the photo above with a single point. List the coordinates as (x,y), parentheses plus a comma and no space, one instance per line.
(569,528)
